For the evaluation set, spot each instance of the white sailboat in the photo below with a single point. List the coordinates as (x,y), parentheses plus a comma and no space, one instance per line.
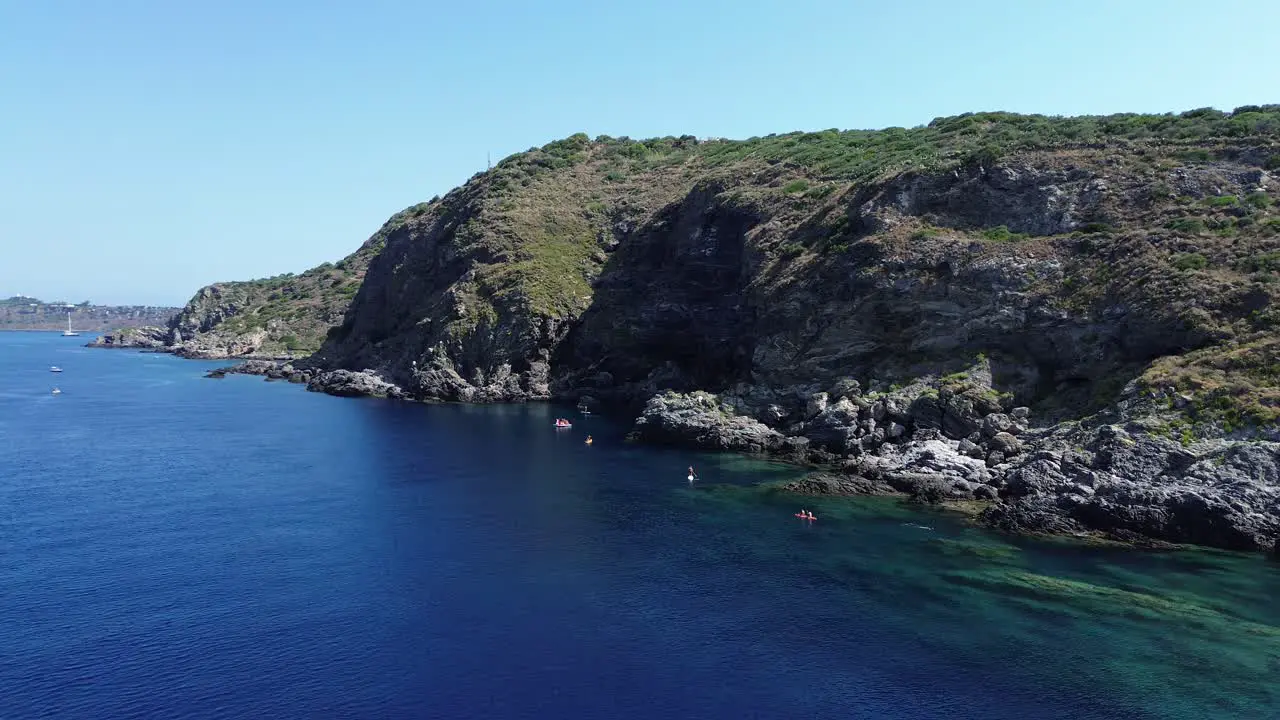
(69,332)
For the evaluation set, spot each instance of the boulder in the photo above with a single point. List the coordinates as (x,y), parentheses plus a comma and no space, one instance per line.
(926,412)
(969,448)
(1005,443)
(960,417)
(996,423)
(985,492)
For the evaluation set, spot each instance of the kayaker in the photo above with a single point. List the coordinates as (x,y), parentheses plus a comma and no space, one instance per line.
(588,439)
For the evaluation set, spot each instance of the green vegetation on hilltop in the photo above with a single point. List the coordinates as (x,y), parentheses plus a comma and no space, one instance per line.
(286,314)
(984,137)
(863,155)
(549,243)
(1180,239)
(295,311)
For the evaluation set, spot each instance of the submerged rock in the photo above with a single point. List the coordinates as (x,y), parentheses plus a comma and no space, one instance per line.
(824,483)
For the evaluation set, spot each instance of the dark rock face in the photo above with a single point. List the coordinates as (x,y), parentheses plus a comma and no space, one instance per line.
(694,295)
(674,295)
(432,325)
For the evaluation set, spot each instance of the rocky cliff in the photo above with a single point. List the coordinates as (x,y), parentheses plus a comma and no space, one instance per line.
(1073,318)
(281,317)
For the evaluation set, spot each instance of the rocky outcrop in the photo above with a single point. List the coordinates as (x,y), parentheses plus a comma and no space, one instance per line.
(348,383)
(699,420)
(143,338)
(285,317)
(343,383)
(1131,486)
(1134,484)
(269,369)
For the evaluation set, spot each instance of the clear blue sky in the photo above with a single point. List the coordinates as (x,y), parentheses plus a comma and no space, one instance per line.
(148,148)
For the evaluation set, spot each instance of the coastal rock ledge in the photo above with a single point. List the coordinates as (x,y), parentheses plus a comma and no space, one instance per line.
(342,383)
(148,337)
(1119,481)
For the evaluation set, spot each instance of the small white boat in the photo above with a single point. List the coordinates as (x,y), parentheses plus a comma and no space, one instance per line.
(69,332)
(56,391)
(55,368)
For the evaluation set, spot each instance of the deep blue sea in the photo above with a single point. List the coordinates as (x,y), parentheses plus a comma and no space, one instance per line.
(179,547)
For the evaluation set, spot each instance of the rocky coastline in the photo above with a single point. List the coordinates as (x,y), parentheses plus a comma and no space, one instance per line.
(1083,336)
(168,340)
(1102,477)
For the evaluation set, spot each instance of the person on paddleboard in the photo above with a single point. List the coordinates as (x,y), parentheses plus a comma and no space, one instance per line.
(692,475)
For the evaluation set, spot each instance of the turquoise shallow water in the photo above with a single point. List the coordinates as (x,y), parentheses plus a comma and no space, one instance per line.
(181,547)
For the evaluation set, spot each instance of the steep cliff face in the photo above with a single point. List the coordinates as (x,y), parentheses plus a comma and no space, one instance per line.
(1059,266)
(988,307)
(471,297)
